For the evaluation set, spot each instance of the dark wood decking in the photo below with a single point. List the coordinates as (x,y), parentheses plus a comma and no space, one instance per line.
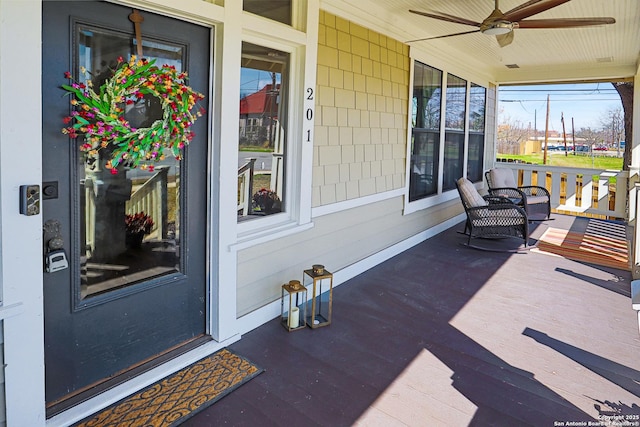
(447,335)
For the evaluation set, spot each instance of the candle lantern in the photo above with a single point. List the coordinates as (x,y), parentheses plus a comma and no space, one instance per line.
(293,306)
(321,281)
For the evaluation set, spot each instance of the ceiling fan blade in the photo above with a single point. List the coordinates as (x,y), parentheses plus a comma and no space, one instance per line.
(519,13)
(505,39)
(448,18)
(564,22)
(523,5)
(441,37)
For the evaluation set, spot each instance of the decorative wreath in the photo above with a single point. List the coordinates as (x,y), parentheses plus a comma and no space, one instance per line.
(100,116)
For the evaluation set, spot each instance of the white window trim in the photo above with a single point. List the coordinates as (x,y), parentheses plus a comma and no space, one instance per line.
(290,206)
(302,48)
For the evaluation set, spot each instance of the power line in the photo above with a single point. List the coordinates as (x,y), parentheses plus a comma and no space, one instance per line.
(559,90)
(559,100)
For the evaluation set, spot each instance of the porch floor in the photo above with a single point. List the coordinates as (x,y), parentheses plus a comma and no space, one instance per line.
(447,335)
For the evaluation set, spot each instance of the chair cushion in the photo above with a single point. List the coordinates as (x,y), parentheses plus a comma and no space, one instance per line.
(469,193)
(502,178)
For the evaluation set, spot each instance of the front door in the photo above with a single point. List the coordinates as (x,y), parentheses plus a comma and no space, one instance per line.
(134,291)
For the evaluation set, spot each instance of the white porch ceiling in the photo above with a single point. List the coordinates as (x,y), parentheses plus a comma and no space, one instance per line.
(542,55)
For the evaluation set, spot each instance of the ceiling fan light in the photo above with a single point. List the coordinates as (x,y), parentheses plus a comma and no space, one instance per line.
(497,28)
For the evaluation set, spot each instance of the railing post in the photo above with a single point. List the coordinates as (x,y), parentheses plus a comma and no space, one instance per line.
(245,191)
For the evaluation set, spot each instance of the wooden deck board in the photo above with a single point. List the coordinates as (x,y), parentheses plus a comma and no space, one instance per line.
(447,335)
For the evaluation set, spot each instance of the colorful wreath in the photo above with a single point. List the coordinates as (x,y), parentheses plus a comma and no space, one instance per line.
(100,116)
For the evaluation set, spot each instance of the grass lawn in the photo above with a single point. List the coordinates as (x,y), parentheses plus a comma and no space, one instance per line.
(261,180)
(255,148)
(570,161)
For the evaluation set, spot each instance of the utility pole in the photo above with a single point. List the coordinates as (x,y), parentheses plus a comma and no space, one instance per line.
(573,135)
(546,135)
(564,136)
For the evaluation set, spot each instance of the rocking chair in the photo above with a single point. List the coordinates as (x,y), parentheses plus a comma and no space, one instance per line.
(535,200)
(491,217)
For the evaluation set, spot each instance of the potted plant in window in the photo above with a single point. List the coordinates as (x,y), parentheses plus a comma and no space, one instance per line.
(266,201)
(137,226)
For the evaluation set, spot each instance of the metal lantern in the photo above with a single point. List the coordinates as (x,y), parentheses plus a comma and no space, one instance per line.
(321,281)
(293,306)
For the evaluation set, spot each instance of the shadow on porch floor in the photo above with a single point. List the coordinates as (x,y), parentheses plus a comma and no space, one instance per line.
(447,335)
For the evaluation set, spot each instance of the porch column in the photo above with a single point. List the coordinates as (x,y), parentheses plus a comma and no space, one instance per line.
(22,399)
(634,180)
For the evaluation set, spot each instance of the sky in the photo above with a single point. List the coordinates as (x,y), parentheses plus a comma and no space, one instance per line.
(252,80)
(586,103)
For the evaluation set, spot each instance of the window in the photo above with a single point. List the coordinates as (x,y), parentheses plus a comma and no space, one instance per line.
(278,10)
(262,132)
(425,138)
(444,146)
(454,118)
(477,109)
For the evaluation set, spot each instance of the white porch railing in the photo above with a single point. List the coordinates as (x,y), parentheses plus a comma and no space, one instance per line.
(151,198)
(583,192)
(245,187)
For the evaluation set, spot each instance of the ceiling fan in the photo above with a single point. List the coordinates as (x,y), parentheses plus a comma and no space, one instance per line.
(502,24)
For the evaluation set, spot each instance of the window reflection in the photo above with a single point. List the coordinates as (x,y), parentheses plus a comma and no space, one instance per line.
(262,131)
(278,10)
(455,114)
(130,221)
(425,141)
(477,103)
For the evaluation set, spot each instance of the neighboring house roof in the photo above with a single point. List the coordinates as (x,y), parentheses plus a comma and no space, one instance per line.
(264,100)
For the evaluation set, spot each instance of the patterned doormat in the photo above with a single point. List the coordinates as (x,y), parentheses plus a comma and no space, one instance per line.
(602,243)
(172,400)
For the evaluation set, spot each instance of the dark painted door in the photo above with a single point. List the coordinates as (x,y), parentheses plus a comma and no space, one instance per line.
(122,302)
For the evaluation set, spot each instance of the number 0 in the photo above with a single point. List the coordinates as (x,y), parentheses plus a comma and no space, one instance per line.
(309,114)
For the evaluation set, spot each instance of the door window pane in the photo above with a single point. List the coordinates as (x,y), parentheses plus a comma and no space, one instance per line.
(477,102)
(129,221)
(262,132)
(278,10)
(454,130)
(425,138)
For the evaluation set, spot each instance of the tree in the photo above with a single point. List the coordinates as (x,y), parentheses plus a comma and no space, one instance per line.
(510,134)
(612,122)
(590,136)
(625,90)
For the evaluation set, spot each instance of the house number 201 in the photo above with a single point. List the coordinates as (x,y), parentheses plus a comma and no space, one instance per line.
(309,112)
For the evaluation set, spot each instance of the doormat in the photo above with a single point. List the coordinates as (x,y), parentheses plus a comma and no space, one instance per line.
(603,243)
(181,395)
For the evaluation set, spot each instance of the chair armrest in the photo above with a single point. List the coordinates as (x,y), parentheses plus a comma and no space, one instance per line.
(534,190)
(497,200)
(508,192)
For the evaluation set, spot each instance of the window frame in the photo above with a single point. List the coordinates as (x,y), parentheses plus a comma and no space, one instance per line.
(461,134)
(294,214)
(469,131)
(424,130)
(441,195)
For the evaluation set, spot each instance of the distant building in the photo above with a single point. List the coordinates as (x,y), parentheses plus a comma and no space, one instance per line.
(258,116)
(536,144)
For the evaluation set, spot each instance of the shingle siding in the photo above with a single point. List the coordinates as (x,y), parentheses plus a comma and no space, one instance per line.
(363,87)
